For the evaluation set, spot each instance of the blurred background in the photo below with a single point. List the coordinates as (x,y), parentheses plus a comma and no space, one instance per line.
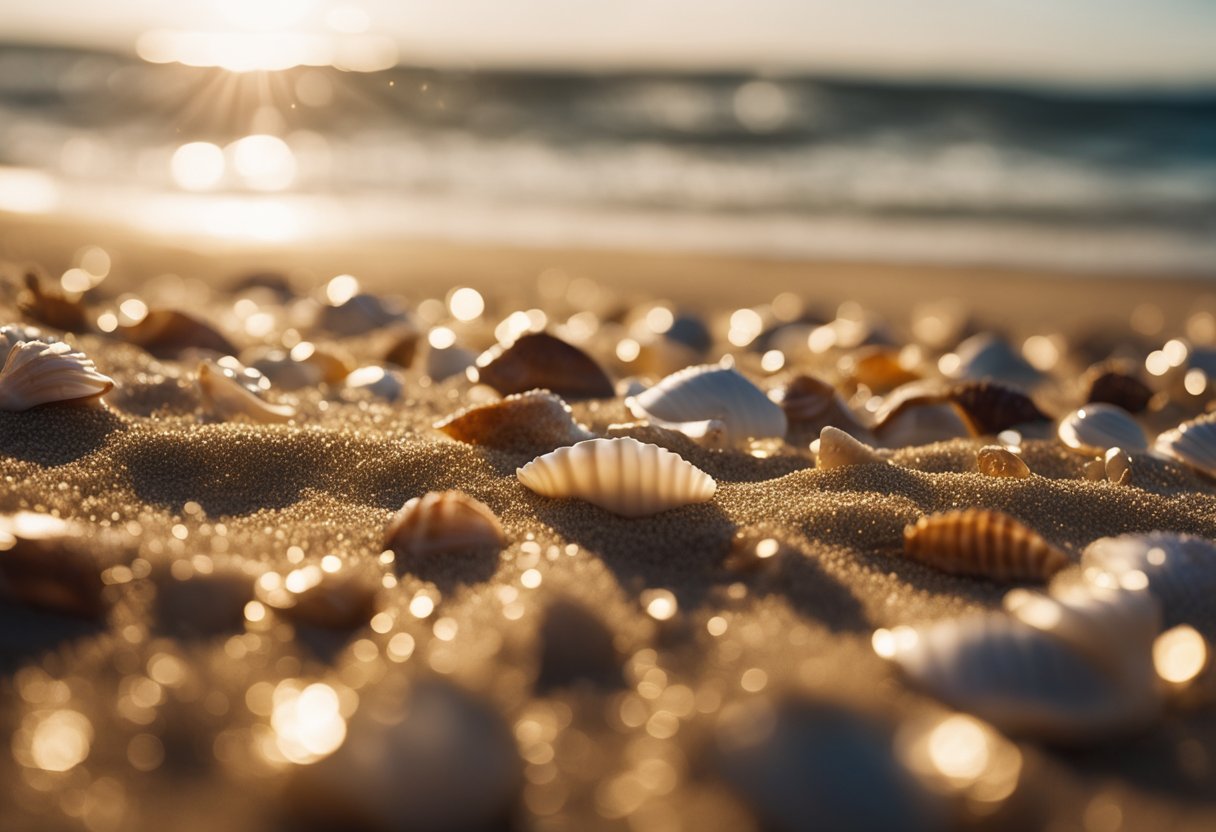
(1075,136)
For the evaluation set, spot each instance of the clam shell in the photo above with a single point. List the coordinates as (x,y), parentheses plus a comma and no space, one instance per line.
(1178,569)
(838,449)
(538,360)
(623,476)
(225,397)
(1118,464)
(695,396)
(51,307)
(443,522)
(1096,428)
(1192,443)
(987,356)
(13,334)
(37,373)
(525,421)
(167,332)
(47,562)
(1113,385)
(984,544)
(996,461)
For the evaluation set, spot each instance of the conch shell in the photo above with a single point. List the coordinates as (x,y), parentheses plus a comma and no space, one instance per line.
(37,373)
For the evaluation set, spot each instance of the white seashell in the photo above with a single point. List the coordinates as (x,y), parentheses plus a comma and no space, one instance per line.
(1096,428)
(1178,569)
(37,373)
(1192,443)
(13,334)
(380,381)
(837,449)
(922,424)
(987,356)
(443,522)
(995,461)
(1118,465)
(693,398)
(224,396)
(621,475)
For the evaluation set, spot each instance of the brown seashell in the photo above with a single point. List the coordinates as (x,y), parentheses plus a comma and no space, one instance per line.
(1115,383)
(51,307)
(984,544)
(876,367)
(166,333)
(1094,470)
(813,404)
(46,562)
(523,422)
(442,522)
(540,360)
(340,599)
(989,407)
(996,461)
(403,348)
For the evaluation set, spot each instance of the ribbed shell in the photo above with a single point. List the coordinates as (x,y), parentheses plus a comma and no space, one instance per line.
(1192,443)
(990,408)
(1180,570)
(995,461)
(984,544)
(13,334)
(1112,385)
(225,397)
(838,449)
(687,400)
(622,475)
(1096,428)
(525,421)
(37,373)
(539,360)
(443,522)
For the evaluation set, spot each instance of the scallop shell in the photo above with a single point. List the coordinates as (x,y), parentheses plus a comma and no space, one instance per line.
(225,397)
(696,396)
(623,476)
(984,544)
(1178,569)
(538,360)
(47,562)
(1192,443)
(996,461)
(525,421)
(37,373)
(1118,465)
(443,522)
(838,449)
(813,404)
(167,332)
(51,307)
(990,408)
(1096,428)
(1112,385)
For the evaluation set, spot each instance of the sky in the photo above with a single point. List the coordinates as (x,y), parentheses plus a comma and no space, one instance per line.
(1116,43)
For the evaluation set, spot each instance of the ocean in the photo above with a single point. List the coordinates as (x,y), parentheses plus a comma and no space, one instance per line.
(782,166)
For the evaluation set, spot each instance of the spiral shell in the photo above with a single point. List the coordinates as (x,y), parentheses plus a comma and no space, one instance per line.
(225,397)
(838,449)
(37,373)
(538,360)
(622,475)
(443,522)
(1096,428)
(1192,443)
(1178,569)
(525,421)
(984,544)
(995,461)
(695,397)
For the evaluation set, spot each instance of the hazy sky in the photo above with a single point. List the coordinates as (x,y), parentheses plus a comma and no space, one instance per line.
(1116,42)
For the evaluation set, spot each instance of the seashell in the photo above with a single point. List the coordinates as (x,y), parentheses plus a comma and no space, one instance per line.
(1113,384)
(51,307)
(983,544)
(814,404)
(1192,443)
(404,347)
(1118,465)
(623,476)
(225,397)
(167,332)
(1178,569)
(37,373)
(693,398)
(987,356)
(382,382)
(443,522)
(576,648)
(285,372)
(922,424)
(47,562)
(1094,470)
(538,360)
(356,315)
(989,407)
(340,600)
(444,362)
(334,364)
(13,334)
(996,461)
(838,449)
(1096,428)
(876,367)
(524,421)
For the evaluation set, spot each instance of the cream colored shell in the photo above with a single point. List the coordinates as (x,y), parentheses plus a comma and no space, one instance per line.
(837,449)
(995,461)
(37,373)
(225,397)
(1192,443)
(443,522)
(1096,428)
(696,397)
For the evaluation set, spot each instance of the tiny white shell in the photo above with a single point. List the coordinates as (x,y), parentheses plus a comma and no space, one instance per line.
(838,449)
(37,373)
(1193,443)
(1178,569)
(1118,464)
(695,397)
(621,475)
(1096,428)
(226,397)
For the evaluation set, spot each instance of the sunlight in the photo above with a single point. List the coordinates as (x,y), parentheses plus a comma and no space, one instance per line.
(197,166)
(24,191)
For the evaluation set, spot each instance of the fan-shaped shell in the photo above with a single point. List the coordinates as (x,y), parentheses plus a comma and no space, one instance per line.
(838,449)
(996,461)
(1178,569)
(538,360)
(13,334)
(167,332)
(224,396)
(695,396)
(1096,428)
(443,522)
(621,475)
(525,421)
(982,543)
(1192,443)
(990,408)
(37,373)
